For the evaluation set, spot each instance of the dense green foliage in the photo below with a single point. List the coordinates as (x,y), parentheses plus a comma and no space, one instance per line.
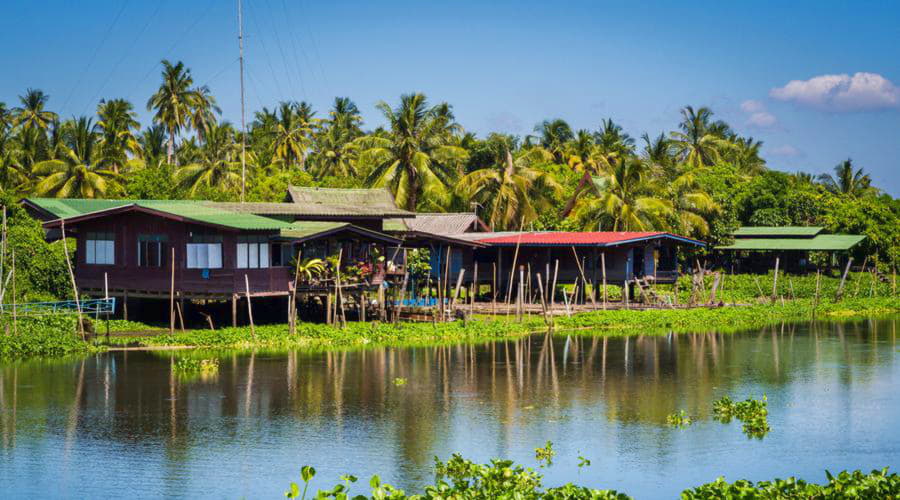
(700,179)
(43,336)
(503,479)
(612,322)
(752,413)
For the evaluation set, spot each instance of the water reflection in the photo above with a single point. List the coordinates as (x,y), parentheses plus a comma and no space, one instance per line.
(126,420)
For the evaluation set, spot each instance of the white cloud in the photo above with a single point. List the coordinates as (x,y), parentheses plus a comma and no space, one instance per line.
(757,115)
(841,93)
(786,150)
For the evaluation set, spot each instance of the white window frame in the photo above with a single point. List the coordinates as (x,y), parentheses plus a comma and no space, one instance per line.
(204,252)
(253,252)
(100,249)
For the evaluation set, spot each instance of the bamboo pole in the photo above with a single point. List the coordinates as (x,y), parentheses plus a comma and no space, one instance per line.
(520,298)
(775,281)
(72,278)
(249,307)
(340,293)
(603,264)
(403,296)
(566,301)
(816,298)
(791,287)
(172,296)
(493,288)
(474,284)
(863,269)
(459,280)
(180,315)
(512,269)
(543,299)
(840,291)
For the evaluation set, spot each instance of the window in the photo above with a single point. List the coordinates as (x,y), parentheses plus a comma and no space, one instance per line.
(282,253)
(204,251)
(252,252)
(151,250)
(100,248)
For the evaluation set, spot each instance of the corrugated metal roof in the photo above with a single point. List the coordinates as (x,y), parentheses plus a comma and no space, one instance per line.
(447,223)
(565,238)
(306,229)
(203,213)
(821,242)
(763,231)
(70,207)
(345,202)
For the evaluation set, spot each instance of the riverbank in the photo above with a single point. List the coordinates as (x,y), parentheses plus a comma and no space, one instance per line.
(483,329)
(56,336)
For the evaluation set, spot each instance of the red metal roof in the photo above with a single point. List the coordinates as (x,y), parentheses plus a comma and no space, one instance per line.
(600,238)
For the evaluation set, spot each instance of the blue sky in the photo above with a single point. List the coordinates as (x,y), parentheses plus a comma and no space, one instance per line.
(504,66)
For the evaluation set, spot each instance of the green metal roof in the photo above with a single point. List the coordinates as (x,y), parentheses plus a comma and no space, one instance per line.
(763,231)
(305,229)
(70,207)
(206,214)
(821,242)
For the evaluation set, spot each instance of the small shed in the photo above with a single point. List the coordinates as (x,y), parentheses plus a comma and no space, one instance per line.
(755,247)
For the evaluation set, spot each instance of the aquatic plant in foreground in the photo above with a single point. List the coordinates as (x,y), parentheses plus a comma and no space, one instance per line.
(752,413)
(459,478)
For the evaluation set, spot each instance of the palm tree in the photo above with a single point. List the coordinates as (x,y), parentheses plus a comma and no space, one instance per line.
(217,163)
(847,181)
(174,102)
(512,192)
(344,114)
(291,131)
(416,158)
(80,171)
(627,200)
(203,111)
(700,141)
(587,158)
(553,136)
(31,113)
(336,153)
(692,205)
(744,154)
(117,125)
(658,153)
(612,140)
(152,142)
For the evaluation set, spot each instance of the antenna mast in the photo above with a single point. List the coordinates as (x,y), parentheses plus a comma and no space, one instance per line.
(243,126)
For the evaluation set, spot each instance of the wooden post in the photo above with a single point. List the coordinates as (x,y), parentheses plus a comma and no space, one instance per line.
(459,280)
(328,308)
(584,280)
(125,304)
(520,299)
(180,315)
(402,297)
(543,299)
(209,321)
(566,301)
(493,288)
(863,269)
(362,306)
(603,262)
(475,290)
(249,307)
(775,281)
(791,287)
(512,269)
(553,288)
(292,303)
(72,278)
(234,299)
(816,298)
(715,287)
(172,296)
(840,291)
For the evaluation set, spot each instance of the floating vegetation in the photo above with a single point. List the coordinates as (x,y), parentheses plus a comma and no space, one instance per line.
(545,455)
(752,413)
(583,462)
(399,381)
(191,368)
(680,419)
(462,478)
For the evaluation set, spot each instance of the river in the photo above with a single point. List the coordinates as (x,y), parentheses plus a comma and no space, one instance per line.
(124,424)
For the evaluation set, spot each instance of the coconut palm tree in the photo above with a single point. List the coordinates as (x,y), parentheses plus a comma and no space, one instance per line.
(415,158)
(692,205)
(291,132)
(612,139)
(79,172)
(847,181)
(658,153)
(700,141)
(203,111)
(587,158)
(117,125)
(627,200)
(216,163)
(31,113)
(336,153)
(174,102)
(152,142)
(512,192)
(553,135)
(345,114)
(744,155)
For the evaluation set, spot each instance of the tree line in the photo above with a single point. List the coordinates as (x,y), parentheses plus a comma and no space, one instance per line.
(700,179)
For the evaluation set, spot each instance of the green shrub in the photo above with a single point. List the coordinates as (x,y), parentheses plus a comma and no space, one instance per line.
(41,336)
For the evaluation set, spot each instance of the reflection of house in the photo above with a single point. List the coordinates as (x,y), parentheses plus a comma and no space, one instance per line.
(755,248)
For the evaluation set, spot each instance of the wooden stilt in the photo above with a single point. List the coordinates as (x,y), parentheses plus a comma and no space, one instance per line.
(328,308)
(840,291)
(553,288)
(172,296)
(816,298)
(292,303)
(234,311)
(180,309)
(249,307)
(603,263)
(512,269)
(493,288)
(125,304)
(775,281)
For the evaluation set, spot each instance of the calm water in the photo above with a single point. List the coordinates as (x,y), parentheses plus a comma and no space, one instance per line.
(122,424)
